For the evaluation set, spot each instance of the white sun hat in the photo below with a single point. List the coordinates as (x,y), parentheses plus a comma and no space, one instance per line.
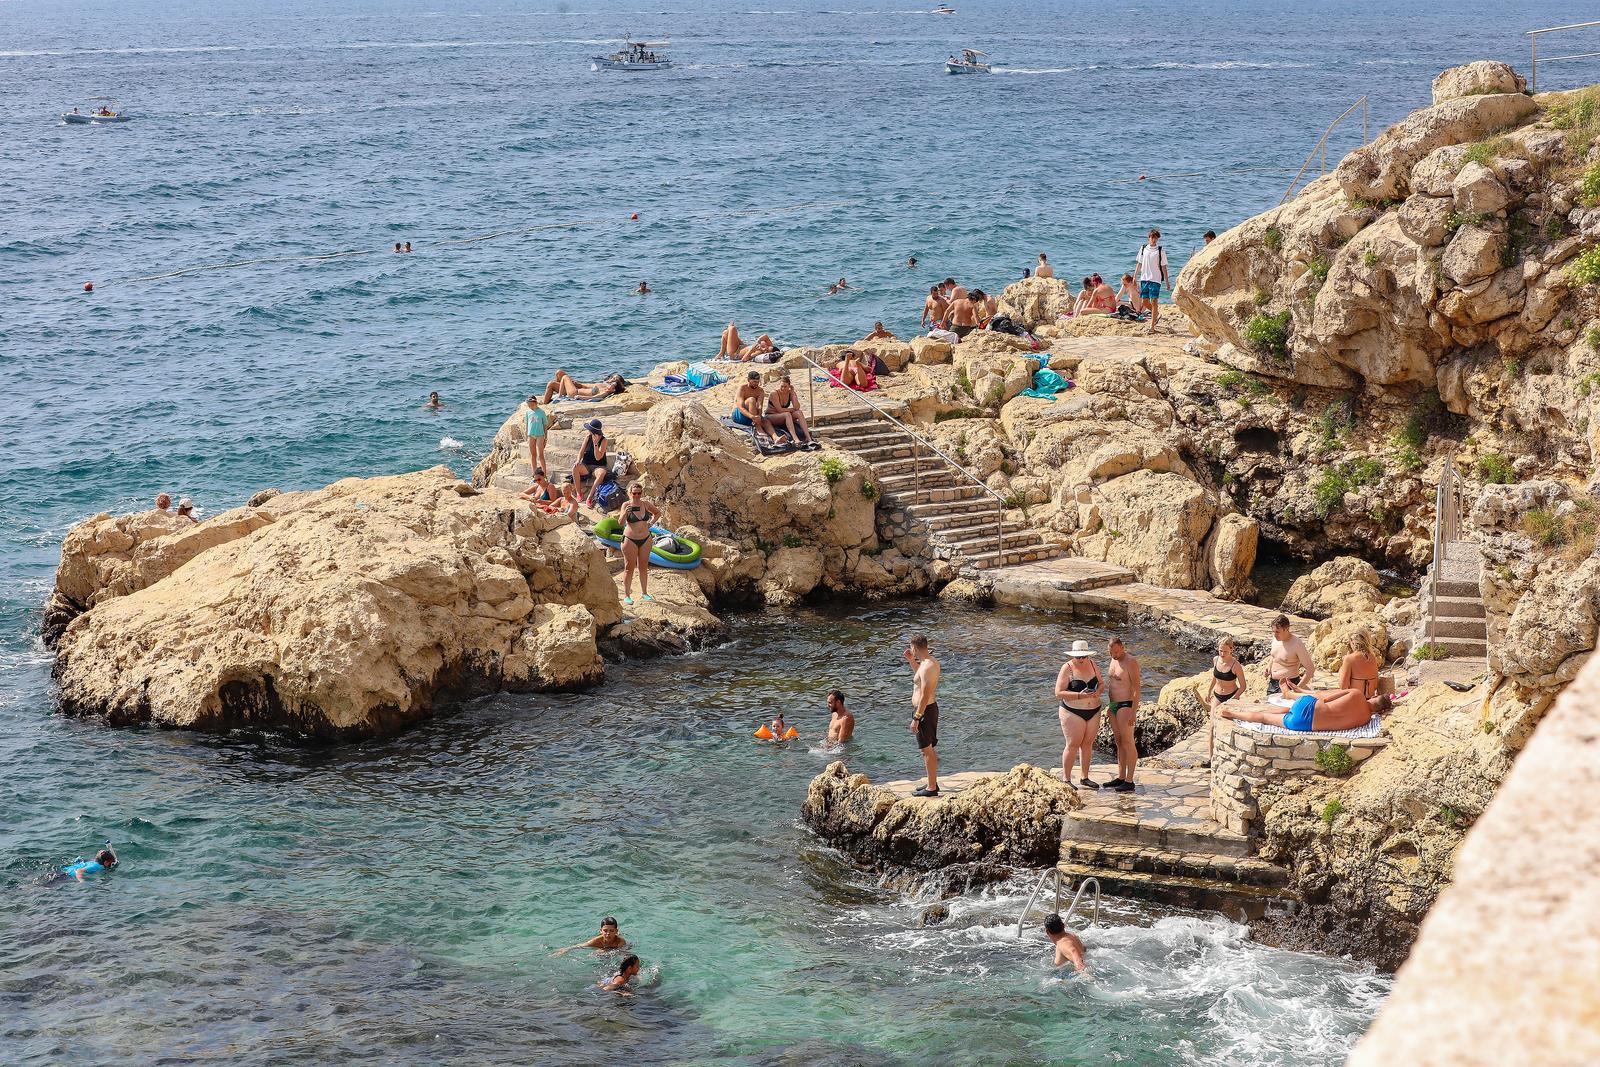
(1080,648)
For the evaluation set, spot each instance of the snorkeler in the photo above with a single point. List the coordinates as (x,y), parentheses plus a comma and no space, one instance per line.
(605,941)
(103,861)
(1069,947)
(626,972)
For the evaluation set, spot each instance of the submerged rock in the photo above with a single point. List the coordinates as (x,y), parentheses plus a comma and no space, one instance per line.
(1012,818)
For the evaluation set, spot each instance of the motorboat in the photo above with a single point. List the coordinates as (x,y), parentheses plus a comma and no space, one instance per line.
(102,111)
(971,62)
(635,55)
(943,9)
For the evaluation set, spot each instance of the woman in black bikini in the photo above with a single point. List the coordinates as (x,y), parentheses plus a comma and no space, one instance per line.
(637,515)
(1078,689)
(591,459)
(1227,682)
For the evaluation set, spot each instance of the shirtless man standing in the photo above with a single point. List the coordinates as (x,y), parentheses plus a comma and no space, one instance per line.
(1044,269)
(1122,689)
(1290,661)
(963,314)
(933,307)
(843,724)
(925,710)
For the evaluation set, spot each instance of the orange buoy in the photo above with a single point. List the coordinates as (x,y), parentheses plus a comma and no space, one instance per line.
(88,287)
(634,217)
(765,733)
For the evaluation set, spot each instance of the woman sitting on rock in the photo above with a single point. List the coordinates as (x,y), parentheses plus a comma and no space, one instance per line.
(591,460)
(1078,688)
(1360,667)
(733,346)
(1327,710)
(566,385)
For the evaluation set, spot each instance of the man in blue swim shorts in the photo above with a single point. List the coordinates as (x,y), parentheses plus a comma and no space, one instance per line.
(1151,270)
(1327,710)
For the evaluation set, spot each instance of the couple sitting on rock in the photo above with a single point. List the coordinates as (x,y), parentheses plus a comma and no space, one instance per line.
(769,413)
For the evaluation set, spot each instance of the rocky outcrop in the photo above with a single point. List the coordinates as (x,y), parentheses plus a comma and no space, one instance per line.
(1035,302)
(1485,77)
(349,614)
(1012,818)
(1342,585)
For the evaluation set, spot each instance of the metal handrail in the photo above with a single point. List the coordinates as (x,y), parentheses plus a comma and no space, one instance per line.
(1446,524)
(1533,45)
(1072,908)
(1043,875)
(1000,512)
(1078,896)
(1322,144)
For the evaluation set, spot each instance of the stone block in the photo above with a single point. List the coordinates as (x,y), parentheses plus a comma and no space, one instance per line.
(1306,750)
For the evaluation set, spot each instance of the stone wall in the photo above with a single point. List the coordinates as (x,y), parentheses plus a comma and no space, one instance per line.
(1245,760)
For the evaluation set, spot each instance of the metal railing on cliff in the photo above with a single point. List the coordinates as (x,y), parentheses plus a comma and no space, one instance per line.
(1321,147)
(1446,528)
(1533,45)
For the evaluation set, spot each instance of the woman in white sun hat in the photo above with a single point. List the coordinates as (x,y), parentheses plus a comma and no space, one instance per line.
(1078,688)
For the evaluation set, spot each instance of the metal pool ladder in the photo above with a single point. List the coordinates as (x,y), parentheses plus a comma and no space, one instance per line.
(1077,898)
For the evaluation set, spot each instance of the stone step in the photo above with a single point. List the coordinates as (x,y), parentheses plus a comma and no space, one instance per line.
(979,542)
(1207,837)
(987,560)
(1218,866)
(910,464)
(973,501)
(1451,588)
(1455,607)
(1461,647)
(943,478)
(1465,629)
(917,496)
(1238,901)
(849,417)
(955,527)
(876,454)
(861,442)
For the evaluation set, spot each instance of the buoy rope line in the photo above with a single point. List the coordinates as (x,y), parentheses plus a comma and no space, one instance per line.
(570,224)
(1201,174)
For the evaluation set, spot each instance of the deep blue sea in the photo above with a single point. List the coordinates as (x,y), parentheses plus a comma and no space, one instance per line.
(395,902)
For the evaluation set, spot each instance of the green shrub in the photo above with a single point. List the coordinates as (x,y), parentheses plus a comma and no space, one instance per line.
(996,393)
(1263,298)
(1589,186)
(1239,382)
(833,469)
(1415,431)
(1272,240)
(964,381)
(1555,227)
(1428,650)
(1331,811)
(1588,382)
(1449,816)
(1573,533)
(1335,760)
(1585,269)
(1574,113)
(958,413)
(1268,334)
(1486,152)
(1496,468)
(1342,478)
(1410,459)
(792,541)
(766,548)
(1457,219)
(1513,368)
(869,491)
(1518,230)
(1370,259)
(1318,267)
(1591,337)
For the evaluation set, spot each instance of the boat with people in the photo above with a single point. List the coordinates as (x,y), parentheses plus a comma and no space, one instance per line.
(943,9)
(635,55)
(103,110)
(971,62)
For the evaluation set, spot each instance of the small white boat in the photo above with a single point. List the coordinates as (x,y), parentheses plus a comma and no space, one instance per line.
(635,55)
(104,110)
(971,62)
(943,9)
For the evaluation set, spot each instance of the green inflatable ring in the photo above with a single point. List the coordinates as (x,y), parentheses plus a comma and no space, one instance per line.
(609,531)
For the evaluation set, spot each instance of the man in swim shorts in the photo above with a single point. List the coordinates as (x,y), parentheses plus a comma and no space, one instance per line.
(1122,690)
(1068,945)
(925,710)
(842,724)
(1329,709)
(1151,268)
(1289,664)
(750,409)
(963,314)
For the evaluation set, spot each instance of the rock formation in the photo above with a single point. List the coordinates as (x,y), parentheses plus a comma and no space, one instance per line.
(1012,818)
(346,612)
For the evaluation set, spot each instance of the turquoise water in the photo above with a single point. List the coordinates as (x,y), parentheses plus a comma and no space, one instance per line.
(394,902)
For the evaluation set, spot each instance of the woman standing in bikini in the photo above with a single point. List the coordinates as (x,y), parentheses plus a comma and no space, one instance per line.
(1078,690)
(1227,682)
(1360,668)
(637,515)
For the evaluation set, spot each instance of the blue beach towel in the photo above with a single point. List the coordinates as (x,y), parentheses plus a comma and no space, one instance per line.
(1046,384)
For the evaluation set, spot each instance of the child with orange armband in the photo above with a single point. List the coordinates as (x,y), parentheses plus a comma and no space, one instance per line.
(776,730)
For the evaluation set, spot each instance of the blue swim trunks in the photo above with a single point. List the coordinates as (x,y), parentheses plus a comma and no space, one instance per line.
(1299,716)
(1149,290)
(741,419)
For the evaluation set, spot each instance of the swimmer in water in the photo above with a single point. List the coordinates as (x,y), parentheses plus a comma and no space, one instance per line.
(434,403)
(103,861)
(911,261)
(1069,947)
(607,940)
(643,290)
(842,724)
(626,972)
(777,727)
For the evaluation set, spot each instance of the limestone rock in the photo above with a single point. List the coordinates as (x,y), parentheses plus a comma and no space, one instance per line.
(1381,170)
(1477,189)
(1477,79)
(350,615)
(997,366)
(1473,253)
(1155,525)
(1179,711)
(677,620)
(791,574)
(1330,641)
(926,350)
(1435,174)
(1035,302)
(1340,586)
(1231,554)
(1012,818)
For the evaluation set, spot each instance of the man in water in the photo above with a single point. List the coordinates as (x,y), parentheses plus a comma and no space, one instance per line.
(103,861)
(1044,269)
(1122,690)
(434,403)
(1068,945)
(1151,268)
(911,261)
(608,939)
(925,710)
(1289,661)
(643,290)
(842,724)
(627,970)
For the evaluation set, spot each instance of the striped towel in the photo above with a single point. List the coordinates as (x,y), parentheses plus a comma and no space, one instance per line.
(1373,728)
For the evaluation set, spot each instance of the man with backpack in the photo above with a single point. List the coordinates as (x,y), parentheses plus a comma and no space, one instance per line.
(1151,268)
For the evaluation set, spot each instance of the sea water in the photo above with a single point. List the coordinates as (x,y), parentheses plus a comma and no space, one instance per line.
(396,901)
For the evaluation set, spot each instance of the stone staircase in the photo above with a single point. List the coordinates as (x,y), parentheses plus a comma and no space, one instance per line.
(1461,629)
(963,523)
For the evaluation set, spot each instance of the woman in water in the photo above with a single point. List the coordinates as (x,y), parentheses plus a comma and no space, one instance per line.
(566,385)
(1078,689)
(1227,682)
(1360,667)
(608,939)
(627,970)
(1328,709)
(637,515)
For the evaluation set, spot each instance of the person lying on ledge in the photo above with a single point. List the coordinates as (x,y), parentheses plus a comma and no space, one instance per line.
(566,385)
(1325,710)
(855,372)
(733,346)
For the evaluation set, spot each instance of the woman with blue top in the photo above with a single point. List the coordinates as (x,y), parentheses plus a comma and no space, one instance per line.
(103,861)
(538,421)
(1324,711)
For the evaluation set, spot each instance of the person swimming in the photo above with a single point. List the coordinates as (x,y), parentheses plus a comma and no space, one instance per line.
(607,940)
(777,730)
(627,971)
(1068,945)
(81,870)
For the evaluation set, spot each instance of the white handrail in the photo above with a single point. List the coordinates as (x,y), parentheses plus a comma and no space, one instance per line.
(1078,896)
(1043,875)
(1445,528)
(1533,46)
(1322,145)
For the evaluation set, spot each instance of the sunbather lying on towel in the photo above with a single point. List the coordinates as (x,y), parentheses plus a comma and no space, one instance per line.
(565,384)
(733,346)
(854,373)
(1327,709)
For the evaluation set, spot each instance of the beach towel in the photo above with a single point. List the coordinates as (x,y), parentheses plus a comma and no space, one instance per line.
(1047,383)
(703,376)
(579,399)
(1373,728)
(674,385)
(764,444)
(837,383)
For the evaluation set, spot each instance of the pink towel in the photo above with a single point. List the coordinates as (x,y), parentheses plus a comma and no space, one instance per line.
(872,381)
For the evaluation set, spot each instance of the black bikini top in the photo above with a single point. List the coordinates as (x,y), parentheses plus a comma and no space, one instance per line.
(1222,676)
(1083,685)
(635,513)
